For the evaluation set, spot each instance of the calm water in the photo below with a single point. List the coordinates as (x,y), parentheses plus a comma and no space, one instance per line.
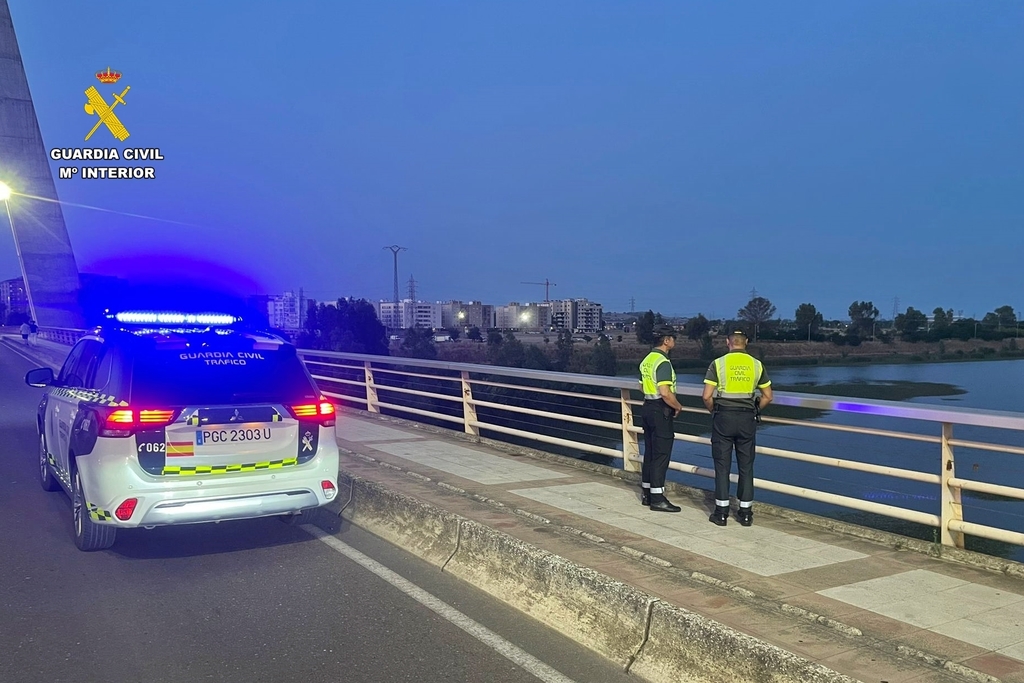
(992,385)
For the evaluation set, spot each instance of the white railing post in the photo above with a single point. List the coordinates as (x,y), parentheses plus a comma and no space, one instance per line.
(630,445)
(371,389)
(468,406)
(950,495)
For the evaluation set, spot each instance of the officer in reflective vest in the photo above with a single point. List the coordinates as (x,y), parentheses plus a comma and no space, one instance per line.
(730,394)
(661,406)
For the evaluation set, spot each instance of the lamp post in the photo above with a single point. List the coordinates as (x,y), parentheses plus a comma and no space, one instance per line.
(5,197)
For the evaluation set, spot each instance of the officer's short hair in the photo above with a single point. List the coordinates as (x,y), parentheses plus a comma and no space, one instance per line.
(739,332)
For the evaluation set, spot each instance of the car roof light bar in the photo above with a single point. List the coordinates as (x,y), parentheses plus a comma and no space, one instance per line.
(173,318)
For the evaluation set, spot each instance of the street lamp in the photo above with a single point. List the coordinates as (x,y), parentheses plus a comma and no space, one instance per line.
(5,197)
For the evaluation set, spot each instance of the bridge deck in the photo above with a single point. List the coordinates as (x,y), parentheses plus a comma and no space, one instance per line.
(862,608)
(866,609)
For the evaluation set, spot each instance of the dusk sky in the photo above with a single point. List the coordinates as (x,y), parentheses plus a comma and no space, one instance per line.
(679,153)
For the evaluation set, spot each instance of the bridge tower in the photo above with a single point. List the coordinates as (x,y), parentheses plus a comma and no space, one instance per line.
(40,235)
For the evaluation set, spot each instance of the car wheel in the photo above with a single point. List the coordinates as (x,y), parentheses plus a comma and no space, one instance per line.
(89,536)
(46,478)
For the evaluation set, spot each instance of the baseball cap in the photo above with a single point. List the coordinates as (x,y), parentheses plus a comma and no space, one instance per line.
(665,331)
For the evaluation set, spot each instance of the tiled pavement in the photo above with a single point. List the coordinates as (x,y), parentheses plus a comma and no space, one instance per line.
(773,578)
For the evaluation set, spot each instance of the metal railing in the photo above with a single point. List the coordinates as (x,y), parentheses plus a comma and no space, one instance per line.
(60,335)
(453,394)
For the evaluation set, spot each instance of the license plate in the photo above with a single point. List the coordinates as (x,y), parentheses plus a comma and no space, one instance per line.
(230,435)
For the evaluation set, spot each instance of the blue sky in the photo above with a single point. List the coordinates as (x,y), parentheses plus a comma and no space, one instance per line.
(678,153)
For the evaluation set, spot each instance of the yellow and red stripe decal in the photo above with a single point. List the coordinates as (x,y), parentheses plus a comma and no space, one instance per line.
(178,449)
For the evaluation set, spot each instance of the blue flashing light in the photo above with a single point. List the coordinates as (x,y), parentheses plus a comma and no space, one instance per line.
(171,318)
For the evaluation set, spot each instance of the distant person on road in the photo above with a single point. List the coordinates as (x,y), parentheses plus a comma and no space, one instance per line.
(25,331)
(33,331)
(730,395)
(661,406)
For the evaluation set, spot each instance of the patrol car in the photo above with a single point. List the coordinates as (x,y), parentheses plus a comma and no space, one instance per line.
(169,418)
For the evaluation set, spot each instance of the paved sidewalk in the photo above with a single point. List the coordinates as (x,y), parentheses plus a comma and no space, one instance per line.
(861,608)
(40,351)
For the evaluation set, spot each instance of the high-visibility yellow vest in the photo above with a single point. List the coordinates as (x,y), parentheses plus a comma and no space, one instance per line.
(649,371)
(738,374)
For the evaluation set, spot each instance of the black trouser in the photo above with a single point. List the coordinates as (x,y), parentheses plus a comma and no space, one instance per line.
(659,434)
(729,429)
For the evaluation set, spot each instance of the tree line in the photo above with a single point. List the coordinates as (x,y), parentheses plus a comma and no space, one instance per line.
(808,324)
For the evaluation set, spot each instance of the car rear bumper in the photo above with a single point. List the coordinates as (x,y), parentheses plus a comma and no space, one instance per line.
(111,475)
(232,507)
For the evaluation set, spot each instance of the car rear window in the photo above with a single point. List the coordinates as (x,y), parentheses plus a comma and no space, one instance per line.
(219,376)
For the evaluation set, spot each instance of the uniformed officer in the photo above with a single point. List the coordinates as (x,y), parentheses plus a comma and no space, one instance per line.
(730,394)
(660,409)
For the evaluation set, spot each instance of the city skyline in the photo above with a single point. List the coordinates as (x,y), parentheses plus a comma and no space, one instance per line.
(847,152)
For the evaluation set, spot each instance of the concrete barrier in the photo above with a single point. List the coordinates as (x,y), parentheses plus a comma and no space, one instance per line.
(654,640)
(683,646)
(606,615)
(424,530)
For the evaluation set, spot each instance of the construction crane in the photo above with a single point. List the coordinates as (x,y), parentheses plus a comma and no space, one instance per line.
(547,288)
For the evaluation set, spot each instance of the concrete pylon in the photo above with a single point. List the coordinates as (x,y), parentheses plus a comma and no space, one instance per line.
(40,236)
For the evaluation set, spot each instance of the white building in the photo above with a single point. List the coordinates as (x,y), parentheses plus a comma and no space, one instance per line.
(589,316)
(461,314)
(523,317)
(576,315)
(408,313)
(283,311)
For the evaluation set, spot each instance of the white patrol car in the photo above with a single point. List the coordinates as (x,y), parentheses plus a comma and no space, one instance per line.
(164,418)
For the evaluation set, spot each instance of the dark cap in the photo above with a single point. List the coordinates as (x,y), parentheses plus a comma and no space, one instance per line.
(662,331)
(739,332)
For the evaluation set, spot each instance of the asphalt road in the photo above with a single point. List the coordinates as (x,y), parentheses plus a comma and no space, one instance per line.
(238,602)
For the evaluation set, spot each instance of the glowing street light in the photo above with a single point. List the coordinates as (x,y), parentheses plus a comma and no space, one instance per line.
(5,197)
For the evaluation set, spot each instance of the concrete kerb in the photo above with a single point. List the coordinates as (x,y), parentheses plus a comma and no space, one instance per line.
(884,538)
(715,654)
(652,639)
(426,531)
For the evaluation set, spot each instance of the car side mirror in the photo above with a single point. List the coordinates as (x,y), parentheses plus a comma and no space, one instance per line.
(40,377)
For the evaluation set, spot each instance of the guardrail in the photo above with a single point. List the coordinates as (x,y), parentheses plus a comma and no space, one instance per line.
(60,335)
(454,395)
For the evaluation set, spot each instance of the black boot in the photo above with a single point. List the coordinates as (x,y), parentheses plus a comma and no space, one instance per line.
(720,516)
(745,516)
(645,497)
(659,503)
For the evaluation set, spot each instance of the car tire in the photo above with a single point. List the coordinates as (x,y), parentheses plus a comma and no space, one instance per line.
(89,536)
(46,478)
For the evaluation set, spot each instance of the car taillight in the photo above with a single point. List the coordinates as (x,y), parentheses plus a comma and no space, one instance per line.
(126,509)
(328,488)
(122,422)
(162,417)
(322,410)
(117,423)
